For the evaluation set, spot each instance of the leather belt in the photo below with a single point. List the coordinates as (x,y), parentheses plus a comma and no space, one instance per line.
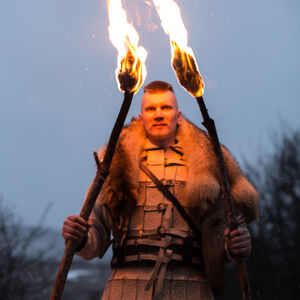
(160,230)
(154,257)
(158,243)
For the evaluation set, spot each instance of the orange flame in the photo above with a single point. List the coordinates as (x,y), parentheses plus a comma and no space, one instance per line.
(131,71)
(183,59)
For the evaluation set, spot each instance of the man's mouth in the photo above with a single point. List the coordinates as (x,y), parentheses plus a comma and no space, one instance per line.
(159,125)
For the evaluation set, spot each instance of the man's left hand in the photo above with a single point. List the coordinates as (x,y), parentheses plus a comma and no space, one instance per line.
(238,241)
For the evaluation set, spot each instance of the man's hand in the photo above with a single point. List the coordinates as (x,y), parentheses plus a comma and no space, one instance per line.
(238,241)
(75,228)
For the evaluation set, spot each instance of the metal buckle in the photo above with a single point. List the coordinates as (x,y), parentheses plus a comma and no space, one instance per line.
(161,207)
(167,182)
(161,229)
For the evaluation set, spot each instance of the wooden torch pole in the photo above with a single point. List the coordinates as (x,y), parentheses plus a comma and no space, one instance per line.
(232,220)
(102,173)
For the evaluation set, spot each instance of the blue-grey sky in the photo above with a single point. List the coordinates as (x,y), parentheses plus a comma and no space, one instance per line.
(59,98)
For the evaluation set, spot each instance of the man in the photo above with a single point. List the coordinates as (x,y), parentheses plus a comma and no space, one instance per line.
(156,254)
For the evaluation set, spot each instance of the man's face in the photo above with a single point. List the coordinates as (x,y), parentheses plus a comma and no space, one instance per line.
(160,117)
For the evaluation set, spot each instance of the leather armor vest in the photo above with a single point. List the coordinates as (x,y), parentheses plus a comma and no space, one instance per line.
(156,233)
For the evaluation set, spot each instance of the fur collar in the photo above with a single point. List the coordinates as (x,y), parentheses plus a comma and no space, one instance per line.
(120,190)
(203,189)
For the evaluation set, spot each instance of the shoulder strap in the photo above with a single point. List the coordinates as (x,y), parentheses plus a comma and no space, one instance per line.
(164,190)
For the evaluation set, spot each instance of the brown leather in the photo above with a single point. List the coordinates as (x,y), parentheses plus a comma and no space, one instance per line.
(164,190)
(156,234)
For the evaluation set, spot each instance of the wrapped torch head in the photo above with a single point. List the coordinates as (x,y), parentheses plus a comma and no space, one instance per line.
(130,72)
(186,70)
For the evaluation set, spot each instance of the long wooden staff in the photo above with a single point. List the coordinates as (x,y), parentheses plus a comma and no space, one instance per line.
(187,73)
(102,173)
(231,217)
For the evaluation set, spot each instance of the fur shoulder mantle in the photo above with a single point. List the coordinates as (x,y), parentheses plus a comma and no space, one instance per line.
(120,190)
(121,187)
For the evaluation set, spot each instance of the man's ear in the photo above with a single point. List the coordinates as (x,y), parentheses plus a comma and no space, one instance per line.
(179,117)
(141,118)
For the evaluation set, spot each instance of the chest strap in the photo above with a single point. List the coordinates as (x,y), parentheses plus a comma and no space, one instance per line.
(164,190)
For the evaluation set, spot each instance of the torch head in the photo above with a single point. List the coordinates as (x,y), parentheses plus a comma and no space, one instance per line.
(130,72)
(131,69)
(186,70)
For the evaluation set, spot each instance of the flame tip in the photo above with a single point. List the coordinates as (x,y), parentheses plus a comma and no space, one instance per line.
(183,60)
(131,70)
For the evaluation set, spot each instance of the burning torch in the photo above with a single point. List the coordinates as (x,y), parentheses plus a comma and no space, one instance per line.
(188,75)
(130,75)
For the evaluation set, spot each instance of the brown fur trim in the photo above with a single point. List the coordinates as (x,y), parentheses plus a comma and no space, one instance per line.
(120,191)
(242,191)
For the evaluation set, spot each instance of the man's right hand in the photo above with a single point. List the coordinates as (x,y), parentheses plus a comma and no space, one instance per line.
(75,228)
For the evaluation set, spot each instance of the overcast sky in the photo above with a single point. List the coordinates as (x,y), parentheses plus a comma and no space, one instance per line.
(59,98)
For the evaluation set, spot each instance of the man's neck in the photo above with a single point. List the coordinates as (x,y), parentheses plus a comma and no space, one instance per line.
(163,144)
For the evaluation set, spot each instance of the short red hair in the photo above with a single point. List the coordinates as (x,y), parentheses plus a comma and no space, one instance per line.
(158,86)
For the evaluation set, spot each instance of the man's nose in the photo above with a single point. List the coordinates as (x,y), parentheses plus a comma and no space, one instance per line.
(158,114)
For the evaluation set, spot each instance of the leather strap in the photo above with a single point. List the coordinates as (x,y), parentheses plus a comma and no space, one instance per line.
(163,257)
(160,230)
(164,190)
(154,257)
(162,274)
(157,243)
